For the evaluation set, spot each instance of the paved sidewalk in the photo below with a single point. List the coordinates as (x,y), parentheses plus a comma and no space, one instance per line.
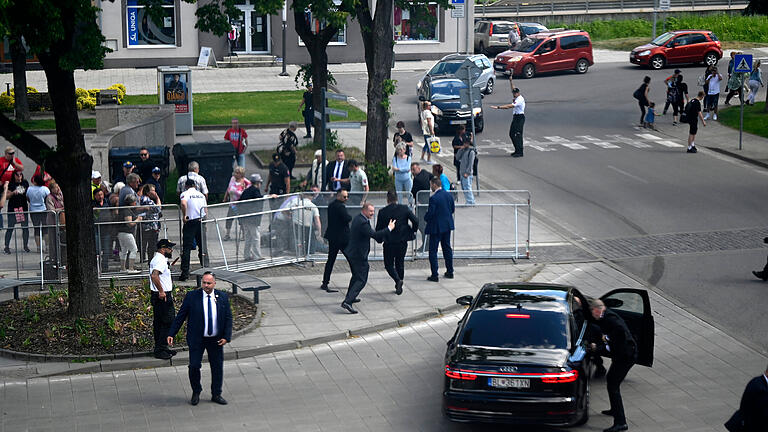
(384,380)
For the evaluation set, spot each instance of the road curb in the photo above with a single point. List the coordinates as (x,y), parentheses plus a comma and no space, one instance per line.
(738,156)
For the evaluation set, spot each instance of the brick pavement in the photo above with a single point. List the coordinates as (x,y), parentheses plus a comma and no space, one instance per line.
(390,380)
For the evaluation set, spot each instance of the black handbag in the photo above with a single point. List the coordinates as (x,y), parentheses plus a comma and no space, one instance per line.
(735,423)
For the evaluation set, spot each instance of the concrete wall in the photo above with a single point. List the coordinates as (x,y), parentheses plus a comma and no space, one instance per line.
(131,126)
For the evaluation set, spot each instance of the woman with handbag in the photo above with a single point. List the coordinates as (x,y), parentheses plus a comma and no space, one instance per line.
(428,129)
(17,209)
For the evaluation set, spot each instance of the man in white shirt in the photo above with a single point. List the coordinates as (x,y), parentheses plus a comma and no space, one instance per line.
(428,129)
(193,174)
(193,205)
(713,94)
(518,120)
(162,298)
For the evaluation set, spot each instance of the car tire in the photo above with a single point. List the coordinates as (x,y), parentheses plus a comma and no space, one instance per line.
(710,59)
(488,86)
(479,125)
(657,62)
(582,66)
(585,415)
(529,71)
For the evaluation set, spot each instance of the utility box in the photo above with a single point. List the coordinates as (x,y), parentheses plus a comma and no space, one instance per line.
(174,86)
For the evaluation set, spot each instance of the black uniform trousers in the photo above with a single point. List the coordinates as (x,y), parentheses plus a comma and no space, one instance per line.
(216,360)
(333,251)
(359,278)
(163,313)
(616,374)
(516,132)
(191,232)
(394,259)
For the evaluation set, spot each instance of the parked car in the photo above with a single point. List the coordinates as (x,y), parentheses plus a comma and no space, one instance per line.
(547,52)
(493,36)
(448,65)
(677,47)
(519,353)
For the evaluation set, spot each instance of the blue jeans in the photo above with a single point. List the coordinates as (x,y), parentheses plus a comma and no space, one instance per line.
(403,186)
(466,186)
(241,160)
(444,240)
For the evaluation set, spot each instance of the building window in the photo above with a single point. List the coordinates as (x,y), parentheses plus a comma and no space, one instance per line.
(144,32)
(340,38)
(416,23)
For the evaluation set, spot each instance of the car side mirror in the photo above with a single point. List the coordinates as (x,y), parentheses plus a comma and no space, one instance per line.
(464,300)
(613,303)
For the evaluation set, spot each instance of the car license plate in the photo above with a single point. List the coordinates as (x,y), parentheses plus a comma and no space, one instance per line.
(503,39)
(455,122)
(499,67)
(509,382)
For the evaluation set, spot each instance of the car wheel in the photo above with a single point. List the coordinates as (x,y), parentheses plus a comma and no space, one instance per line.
(585,416)
(657,62)
(529,70)
(489,86)
(479,125)
(710,59)
(582,66)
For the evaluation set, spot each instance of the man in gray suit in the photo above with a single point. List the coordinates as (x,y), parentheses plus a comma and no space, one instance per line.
(357,249)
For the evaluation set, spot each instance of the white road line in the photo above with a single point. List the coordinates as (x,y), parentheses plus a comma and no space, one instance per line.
(629,141)
(557,139)
(540,148)
(666,143)
(649,136)
(588,137)
(605,145)
(628,174)
(573,146)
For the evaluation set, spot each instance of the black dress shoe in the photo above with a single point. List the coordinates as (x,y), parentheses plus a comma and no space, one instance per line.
(171,352)
(348,307)
(219,400)
(399,287)
(607,412)
(325,288)
(433,279)
(617,428)
(183,277)
(163,355)
(195,399)
(760,275)
(516,155)
(448,275)
(357,300)
(599,373)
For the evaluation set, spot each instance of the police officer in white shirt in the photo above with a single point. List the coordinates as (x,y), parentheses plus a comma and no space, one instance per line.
(193,205)
(518,120)
(162,298)
(193,174)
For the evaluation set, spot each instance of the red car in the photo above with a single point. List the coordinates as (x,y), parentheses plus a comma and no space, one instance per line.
(547,52)
(679,46)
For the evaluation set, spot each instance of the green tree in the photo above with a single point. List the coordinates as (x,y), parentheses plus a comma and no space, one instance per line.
(756,7)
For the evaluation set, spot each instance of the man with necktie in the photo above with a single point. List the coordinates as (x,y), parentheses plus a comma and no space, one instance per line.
(439,218)
(396,243)
(337,234)
(209,328)
(357,250)
(337,173)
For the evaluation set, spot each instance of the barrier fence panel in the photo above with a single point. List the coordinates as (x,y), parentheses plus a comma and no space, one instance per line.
(497,225)
(36,232)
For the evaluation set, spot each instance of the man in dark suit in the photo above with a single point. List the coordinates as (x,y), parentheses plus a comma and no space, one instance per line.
(337,234)
(360,235)
(421,180)
(396,243)
(754,404)
(337,173)
(439,218)
(209,328)
(620,346)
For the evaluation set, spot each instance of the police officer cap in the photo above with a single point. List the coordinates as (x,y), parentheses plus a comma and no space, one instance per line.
(165,243)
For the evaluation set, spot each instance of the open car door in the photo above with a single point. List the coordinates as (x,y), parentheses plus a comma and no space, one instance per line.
(634,307)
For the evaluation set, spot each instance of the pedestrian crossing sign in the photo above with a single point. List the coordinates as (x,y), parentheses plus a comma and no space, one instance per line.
(742,62)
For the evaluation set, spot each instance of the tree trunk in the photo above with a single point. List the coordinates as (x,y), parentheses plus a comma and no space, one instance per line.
(378,42)
(71,166)
(19,58)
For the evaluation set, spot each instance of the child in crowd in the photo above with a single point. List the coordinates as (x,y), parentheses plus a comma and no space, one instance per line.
(650,117)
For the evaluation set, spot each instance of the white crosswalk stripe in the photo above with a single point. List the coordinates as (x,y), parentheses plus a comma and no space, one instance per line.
(666,143)
(598,142)
(578,142)
(629,141)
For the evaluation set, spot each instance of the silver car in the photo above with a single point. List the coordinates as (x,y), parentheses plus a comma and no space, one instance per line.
(492,37)
(448,65)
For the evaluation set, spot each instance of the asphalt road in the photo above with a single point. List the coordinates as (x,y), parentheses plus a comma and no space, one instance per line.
(595,176)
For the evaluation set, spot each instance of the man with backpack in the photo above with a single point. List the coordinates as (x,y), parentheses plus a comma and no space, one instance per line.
(691,114)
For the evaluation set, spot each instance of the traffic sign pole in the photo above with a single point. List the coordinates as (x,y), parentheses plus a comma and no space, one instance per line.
(742,63)
(741,116)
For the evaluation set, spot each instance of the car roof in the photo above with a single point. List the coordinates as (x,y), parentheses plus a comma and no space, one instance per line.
(498,21)
(532,295)
(555,33)
(690,31)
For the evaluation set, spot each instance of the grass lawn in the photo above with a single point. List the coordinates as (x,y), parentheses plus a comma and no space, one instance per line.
(250,107)
(46,124)
(755,117)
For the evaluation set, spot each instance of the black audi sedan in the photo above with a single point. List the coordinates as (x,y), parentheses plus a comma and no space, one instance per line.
(519,354)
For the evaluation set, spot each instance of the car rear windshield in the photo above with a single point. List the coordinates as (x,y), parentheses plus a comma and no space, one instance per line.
(661,40)
(516,328)
(445,68)
(529,44)
(502,28)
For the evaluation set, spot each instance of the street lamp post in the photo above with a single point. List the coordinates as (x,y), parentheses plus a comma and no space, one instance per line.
(285,26)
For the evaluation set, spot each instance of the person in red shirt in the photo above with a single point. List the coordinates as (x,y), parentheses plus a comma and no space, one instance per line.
(9,164)
(239,139)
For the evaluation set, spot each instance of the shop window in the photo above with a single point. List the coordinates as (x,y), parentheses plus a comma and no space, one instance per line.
(416,23)
(143,31)
(340,38)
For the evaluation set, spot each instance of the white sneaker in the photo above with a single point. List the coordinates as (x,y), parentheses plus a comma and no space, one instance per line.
(706,116)
(714,117)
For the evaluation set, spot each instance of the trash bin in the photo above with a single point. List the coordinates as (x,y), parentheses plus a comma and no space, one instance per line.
(160,156)
(216,159)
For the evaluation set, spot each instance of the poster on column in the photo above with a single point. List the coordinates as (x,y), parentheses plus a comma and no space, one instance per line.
(176,91)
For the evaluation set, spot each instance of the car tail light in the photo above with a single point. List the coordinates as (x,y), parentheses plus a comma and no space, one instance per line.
(490,30)
(455,374)
(524,316)
(561,377)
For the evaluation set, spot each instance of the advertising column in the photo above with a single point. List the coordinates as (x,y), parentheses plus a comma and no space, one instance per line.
(174,87)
